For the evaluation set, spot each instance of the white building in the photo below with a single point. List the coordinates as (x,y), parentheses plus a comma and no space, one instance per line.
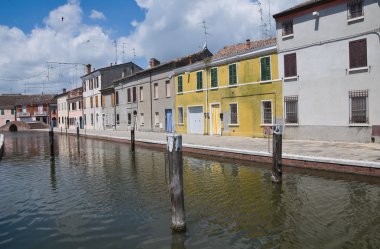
(63,111)
(329,60)
(93,82)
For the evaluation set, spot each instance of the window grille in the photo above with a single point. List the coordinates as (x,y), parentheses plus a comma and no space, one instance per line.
(291,109)
(358,107)
(355,9)
(234,114)
(287,28)
(267,112)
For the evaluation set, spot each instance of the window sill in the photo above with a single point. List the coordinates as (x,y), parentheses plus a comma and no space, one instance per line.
(358,125)
(199,90)
(284,37)
(233,125)
(358,69)
(180,124)
(265,81)
(291,124)
(214,88)
(267,125)
(181,93)
(156,125)
(356,19)
(155,99)
(291,78)
(231,86)
(168,97)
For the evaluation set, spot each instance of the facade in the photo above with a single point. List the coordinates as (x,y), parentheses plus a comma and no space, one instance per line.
(7,108)
(75,110)
(146,99)
(236,92)
(93,82)
(32,108)
(329,60)
(63,110)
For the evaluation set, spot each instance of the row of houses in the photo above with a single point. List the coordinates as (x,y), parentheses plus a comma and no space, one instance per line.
(320,78)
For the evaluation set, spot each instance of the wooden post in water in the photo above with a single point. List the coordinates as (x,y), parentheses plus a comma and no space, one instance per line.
(277,156)
(78,131)
(51,140)
(174,146)
(133,140)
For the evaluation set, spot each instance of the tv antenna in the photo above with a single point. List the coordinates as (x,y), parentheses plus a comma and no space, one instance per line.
(115,42)
(205,32)
(123,52)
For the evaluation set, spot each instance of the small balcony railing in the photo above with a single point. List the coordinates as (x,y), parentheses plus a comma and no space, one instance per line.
(23,114)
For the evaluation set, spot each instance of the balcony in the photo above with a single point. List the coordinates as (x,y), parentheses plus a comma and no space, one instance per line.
(41,113)
(23,114)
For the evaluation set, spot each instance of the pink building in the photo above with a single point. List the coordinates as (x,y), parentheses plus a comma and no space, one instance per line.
(75,108)
(7,108)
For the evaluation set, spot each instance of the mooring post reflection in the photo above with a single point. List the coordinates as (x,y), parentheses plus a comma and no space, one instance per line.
(51,139)
(178,240)
(53,180)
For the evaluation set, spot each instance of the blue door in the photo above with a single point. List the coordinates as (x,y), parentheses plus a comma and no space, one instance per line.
(168,120)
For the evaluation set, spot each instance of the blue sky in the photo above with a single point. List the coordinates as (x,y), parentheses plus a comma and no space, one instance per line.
(32,33)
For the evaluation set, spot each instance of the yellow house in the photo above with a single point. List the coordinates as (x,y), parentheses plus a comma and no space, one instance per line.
(235,92)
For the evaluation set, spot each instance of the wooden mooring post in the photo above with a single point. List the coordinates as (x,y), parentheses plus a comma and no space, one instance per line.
(51,140)
(277,155)
(78,131)
(174,147)
(133,140)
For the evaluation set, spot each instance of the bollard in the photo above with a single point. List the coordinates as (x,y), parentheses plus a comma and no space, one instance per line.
(133,140)
(277,157)
(77,131)
(174,146)
(51,140)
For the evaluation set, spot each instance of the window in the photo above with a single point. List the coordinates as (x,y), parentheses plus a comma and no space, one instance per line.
(117,119)
(96,82)
(155,90)
(96,101)
(358,107)
(180,84)
(92,119)
(102,102)
(91,103)
(134,95)
(84,86)
(355,9)
(129,97)
(358,53)
(12,111)
(287,28)
(214,77)
(156,119)
(265,68)
(142,121)
(290,65)
(180,115)
(199,80)
(84,103)
(291,109)
(266,112)
(234,114)
(2,111)
(117,97)
(141,93)
(232,76)
(129,118)
(167,87)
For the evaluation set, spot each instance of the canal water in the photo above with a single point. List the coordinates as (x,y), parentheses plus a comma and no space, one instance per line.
(99,195)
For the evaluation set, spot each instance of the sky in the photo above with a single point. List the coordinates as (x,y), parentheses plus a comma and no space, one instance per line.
(44,44)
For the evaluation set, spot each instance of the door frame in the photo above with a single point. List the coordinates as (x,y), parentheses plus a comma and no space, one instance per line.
(220,126)
(188,119)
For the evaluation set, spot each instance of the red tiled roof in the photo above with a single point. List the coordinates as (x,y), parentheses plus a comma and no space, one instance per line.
(243,47)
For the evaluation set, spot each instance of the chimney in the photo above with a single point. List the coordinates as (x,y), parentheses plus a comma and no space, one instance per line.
(63,90)
(153,62)
(88,68)
(248,42)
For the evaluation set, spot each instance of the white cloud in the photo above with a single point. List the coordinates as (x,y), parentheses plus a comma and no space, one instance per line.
(97,15)
(171,28)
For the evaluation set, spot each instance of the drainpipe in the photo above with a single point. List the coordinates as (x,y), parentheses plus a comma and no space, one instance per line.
(114,106)
(207,114)
(151,101)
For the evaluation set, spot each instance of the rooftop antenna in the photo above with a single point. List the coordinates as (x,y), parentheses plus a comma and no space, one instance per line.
(269,19)
(123,51)
(115,51)
(205,32)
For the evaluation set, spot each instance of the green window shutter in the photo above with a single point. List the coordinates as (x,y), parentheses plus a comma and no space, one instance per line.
(2,111)
(232,74)
(265,68)
(199,80)
(180,84)
(214,77)
(12,111)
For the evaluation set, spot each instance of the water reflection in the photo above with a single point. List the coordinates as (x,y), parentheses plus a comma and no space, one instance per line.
(98,194)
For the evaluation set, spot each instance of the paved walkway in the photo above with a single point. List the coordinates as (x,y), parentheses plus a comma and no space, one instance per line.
(356,154)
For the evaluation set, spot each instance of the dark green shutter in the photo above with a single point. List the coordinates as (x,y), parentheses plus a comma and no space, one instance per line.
(214,77)
(265,68)
(199,81)
(180,84)
(232,74)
